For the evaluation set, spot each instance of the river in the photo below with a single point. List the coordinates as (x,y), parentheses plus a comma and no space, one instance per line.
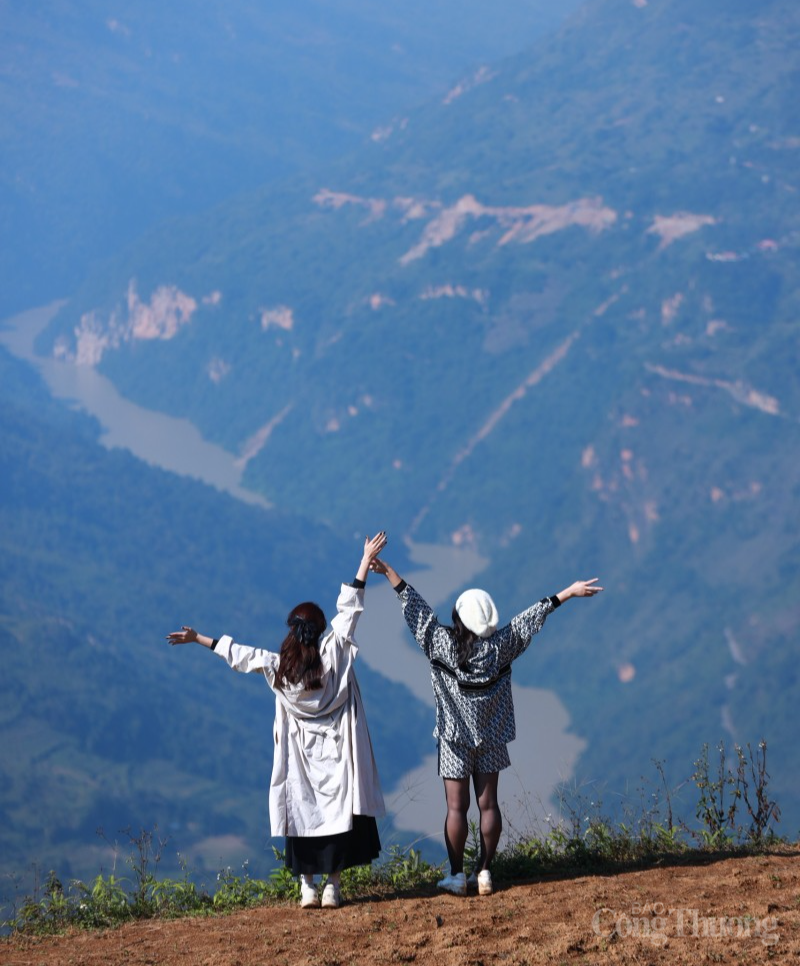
(545,751)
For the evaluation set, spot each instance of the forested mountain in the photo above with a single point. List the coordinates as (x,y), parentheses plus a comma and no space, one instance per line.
(553,314)
(102,724)
(117,117)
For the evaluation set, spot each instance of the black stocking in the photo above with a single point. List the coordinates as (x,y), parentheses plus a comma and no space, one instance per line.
(491,819)
(456,791)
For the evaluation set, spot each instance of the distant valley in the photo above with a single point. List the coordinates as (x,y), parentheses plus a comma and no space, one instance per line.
(552,317)
(549,316)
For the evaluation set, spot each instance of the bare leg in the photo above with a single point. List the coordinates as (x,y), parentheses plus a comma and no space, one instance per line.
(456,791)
(491,819)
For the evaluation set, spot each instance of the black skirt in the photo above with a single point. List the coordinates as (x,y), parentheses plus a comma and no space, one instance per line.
(323,854)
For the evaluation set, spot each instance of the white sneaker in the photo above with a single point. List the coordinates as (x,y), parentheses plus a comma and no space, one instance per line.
(485,887)
(331,896)
(482,881)
(455,883)
(309,897)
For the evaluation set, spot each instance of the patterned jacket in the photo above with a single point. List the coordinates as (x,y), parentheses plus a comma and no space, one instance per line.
(474,706)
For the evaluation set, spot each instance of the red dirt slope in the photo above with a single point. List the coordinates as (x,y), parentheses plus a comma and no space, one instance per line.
(742,910)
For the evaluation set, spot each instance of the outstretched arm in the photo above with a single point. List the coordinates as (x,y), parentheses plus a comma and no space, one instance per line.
(351,599)
(435,640)
(239,656)
(530,622)
(581,588)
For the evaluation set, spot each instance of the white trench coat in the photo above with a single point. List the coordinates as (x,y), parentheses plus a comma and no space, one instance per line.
(324,768)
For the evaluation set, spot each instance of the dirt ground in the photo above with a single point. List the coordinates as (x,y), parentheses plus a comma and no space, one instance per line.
(743,910)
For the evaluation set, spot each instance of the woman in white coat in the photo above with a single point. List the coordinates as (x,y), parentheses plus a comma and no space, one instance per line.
(325,793)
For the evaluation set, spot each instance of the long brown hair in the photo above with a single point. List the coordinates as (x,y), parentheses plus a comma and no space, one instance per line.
(465,640)
(300,660)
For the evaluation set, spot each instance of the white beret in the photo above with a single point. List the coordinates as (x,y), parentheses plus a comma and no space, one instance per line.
(477,612)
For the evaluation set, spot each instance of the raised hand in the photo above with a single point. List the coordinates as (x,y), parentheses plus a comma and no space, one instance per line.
(388,571)
(374,545)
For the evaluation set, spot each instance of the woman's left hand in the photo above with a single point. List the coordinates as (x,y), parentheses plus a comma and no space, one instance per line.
(581,588)
(372,547)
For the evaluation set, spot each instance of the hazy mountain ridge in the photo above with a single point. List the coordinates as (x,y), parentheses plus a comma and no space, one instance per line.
(117,119)
(622,402)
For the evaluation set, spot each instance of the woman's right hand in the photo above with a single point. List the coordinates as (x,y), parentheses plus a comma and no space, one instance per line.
(381,567)
(374,545)
(186,635)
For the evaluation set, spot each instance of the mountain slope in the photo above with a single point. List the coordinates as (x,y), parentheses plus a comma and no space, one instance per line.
(555,315)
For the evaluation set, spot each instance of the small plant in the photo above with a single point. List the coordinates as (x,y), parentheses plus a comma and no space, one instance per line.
(47,912)
(405,870)
(148,847)
(282,883)
(722,795)
(240,891)
(173,898)
(717,819)
(105,903)
(761,809)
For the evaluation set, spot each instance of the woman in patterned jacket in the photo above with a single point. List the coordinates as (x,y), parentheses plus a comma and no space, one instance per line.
(471,678)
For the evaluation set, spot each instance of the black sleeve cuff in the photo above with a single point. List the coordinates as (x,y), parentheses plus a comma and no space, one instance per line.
(555,601)
(400,587)
(358,584)
(214,643)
